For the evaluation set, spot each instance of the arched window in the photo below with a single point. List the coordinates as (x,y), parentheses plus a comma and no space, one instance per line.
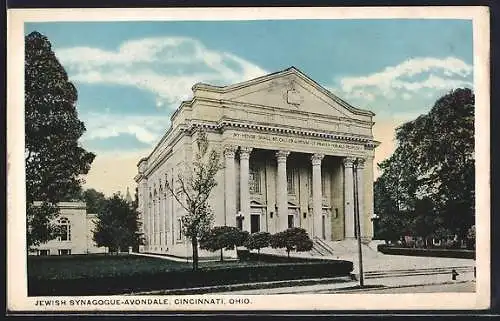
(64,229)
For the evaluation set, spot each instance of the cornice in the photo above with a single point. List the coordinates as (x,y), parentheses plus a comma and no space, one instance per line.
(229,124)
(289,71)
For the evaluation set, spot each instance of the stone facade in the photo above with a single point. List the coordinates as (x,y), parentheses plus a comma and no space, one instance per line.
(77,232)
(290,153)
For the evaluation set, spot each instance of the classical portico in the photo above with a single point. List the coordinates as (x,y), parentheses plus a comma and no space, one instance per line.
(290,149)
(315,196)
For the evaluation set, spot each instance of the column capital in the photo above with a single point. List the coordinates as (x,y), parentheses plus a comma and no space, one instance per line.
(316,159)
(348,161)
(229,151)
(281,155)
(245,152)
(360,162)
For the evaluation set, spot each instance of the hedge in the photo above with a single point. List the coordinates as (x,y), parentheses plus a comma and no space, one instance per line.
(188,278)
(246,255)
(451,253)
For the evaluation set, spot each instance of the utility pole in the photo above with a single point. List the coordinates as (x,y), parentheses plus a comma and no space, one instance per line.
(357,222)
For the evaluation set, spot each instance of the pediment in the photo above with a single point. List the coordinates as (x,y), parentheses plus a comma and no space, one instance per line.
(290,90)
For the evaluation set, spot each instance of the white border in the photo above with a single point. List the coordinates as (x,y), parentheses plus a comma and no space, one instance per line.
(17,299)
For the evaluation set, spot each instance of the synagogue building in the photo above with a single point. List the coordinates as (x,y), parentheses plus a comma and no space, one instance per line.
(294,155)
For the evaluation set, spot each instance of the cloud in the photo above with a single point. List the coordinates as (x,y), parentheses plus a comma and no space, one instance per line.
(408,78)
(166,66)
(146,129)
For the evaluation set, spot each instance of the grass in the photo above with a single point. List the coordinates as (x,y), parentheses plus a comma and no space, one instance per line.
(119,274)
(86,266)
(95,265)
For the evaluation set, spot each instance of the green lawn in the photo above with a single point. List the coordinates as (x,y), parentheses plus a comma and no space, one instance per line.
(118,274)
(87,266)
(82,266)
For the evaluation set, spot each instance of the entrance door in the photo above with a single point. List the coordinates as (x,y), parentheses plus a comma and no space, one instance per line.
(323,227)
(254,223)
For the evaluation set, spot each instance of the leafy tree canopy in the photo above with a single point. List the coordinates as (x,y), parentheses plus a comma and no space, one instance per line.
(258,240)
(223,237)
(430,175)
(55,161)
(294,238)
(117,226)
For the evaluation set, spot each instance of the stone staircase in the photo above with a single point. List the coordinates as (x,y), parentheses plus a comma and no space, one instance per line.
(321,248)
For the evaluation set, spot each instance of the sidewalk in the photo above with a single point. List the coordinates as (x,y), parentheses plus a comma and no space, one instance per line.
(349,287)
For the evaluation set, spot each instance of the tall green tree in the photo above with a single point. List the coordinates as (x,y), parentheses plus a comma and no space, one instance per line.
(192,190)
(430,175)
(55,161)
(117,226)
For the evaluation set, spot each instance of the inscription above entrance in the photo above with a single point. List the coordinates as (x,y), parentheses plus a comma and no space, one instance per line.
(297,141)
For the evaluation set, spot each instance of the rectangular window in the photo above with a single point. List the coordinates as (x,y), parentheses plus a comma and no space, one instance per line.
(290,180)
(310,183)
(64,252)
(254,181)
(43,252)
(179,227)
(66,233)
(323,185)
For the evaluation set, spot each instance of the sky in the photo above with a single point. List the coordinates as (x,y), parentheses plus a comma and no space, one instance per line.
(131,76)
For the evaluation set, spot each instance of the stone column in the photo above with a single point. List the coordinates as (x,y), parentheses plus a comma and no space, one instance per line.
(317,194)
(244,188)
(349,197)
(229,186)
(150,219)
(162,217)
(360,166)
(167,216)
(153,223)
(156,219)
(281,191)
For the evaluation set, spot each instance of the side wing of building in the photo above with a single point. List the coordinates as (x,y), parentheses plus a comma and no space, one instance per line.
(76,235)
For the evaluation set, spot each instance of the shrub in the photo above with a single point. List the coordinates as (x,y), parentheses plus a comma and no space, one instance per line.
(223,237)
(294,238)
(257,241)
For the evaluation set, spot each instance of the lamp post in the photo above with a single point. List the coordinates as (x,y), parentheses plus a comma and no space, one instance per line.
(357,223)
(240,219)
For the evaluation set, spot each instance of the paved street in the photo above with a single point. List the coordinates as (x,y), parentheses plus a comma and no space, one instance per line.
(454,287)
(416,283)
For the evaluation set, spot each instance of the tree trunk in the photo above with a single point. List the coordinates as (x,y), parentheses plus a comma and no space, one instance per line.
(221,255)
(194,243)
(258,254)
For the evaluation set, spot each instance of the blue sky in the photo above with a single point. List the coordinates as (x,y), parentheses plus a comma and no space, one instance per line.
(130,76)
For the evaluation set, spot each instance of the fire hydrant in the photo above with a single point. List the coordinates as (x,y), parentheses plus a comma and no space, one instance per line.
(454,274)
